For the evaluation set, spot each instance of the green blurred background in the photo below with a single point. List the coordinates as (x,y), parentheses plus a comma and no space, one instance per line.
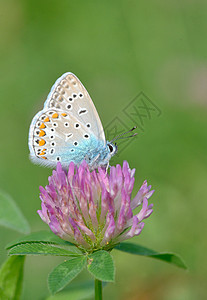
(117,49)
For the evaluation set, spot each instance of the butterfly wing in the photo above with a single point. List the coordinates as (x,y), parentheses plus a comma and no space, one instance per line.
(68,128)
(69,94)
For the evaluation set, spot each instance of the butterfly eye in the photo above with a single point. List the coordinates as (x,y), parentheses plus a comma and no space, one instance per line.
(111,148)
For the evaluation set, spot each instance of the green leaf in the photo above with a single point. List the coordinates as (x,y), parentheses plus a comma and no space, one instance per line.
(140,250)
(64,273)
(11,216)
(101,265)
(41,236)
(11,278)
(41,248)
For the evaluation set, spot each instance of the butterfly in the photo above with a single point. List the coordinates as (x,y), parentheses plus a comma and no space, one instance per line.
(69,129)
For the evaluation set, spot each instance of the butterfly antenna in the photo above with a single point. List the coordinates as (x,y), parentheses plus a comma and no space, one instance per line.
(120,136)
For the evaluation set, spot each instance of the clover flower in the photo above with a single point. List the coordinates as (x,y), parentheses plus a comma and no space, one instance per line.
(94,210)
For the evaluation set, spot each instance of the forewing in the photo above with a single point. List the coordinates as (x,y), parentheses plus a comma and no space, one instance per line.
(68,94)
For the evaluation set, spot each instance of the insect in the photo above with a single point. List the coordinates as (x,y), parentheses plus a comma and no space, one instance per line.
(68,129)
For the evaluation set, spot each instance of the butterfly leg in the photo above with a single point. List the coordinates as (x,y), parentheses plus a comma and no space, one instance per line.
(107,166)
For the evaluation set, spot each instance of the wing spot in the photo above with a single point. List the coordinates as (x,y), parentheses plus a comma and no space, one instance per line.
(74,95)
(75,143)
(66,124)
(42,133)
(69,135)
(55,115)
(42,142)
(60,99)
(70,99)
(53,144)
(76,125)
(69,106)
(86,136)
(80,95)
(42,153)
(82,111)
(69,77)
(65,84)
(55,95)
(39,124)
(72,150)
(42,126)
(55,124)
(52,129)
(46,119)
(52,137)
(52,103)
(64,114)
(88,125)
(38,151)
(52,151)
(58,158)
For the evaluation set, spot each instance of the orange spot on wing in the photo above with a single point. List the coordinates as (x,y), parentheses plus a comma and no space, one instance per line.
(44,157)
(64,114)
(42,126)
(46,119)
(55,116)
(42,133)
(42,153)
(42,142)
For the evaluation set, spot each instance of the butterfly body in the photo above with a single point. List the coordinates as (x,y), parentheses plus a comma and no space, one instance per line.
(68,128)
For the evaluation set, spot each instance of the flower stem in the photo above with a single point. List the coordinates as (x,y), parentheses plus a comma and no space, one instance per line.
(98,289)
